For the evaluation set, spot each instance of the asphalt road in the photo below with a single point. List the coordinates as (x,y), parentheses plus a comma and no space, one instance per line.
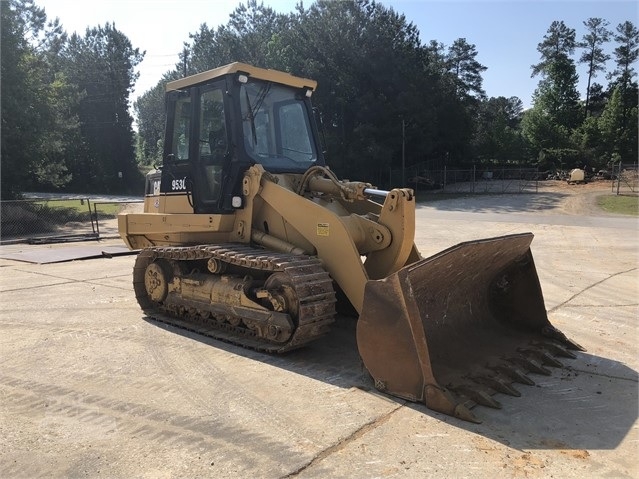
(89,388)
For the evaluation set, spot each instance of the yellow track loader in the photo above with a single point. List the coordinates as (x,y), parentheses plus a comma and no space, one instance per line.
(247,236)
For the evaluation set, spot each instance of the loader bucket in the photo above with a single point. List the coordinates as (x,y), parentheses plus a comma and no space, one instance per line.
(454,329)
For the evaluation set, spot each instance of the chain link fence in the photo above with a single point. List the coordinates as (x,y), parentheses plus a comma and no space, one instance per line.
(48,220)
(626,179)
(472,180)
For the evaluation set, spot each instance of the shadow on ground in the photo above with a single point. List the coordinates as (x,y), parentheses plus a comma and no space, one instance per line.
(580,406)
(505,203)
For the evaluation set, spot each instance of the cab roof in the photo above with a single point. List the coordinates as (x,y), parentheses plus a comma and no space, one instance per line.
(237,67)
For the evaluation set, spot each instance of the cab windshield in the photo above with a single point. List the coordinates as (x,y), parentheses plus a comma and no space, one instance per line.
(276,127)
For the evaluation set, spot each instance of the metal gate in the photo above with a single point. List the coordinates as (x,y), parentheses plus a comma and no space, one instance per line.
(626,179)
(54,220)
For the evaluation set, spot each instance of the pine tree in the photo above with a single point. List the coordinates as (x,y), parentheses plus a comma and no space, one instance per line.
(593,55)
(556,94)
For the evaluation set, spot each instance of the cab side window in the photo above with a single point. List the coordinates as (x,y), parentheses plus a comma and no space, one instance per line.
(181,129)
(212,142)
(295,137)
(212,125)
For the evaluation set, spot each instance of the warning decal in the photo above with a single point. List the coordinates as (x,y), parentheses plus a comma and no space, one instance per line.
(322,229)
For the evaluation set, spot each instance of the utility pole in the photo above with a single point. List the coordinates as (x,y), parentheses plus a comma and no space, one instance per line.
(403,153)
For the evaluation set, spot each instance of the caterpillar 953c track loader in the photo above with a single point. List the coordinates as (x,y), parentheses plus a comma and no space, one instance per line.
(247,235)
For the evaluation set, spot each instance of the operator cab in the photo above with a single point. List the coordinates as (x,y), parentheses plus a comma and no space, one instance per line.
(221,122)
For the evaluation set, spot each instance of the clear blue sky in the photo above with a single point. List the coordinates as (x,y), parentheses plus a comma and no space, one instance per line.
(506,33)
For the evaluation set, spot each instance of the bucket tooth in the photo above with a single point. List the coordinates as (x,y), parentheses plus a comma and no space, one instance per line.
(530,364)
(497,384)
(514,373)
(549,359)
(465,414)
(551,332)
(555,349)
(478,395)
(444,401)
(545,357)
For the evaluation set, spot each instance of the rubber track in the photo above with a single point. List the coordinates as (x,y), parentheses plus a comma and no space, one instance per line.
(312,284)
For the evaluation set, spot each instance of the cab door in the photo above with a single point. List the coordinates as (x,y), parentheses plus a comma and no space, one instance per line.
(211,150)
(175,196)
(196,150)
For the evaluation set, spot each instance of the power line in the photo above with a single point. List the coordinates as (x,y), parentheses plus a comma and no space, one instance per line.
(168,55)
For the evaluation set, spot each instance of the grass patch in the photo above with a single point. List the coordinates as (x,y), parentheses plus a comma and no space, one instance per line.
(619,204)
(76,209)
(24,218)
(107,209)
(59,212)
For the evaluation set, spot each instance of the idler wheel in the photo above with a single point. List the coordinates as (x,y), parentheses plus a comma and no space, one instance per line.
(156,281)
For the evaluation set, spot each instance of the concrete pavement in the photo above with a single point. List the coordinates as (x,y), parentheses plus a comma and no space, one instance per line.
(90,388)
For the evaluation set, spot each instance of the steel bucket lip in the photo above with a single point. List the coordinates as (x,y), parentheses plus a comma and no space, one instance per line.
(525,238)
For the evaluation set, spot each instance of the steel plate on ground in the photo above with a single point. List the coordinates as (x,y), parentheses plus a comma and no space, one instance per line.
(59,255)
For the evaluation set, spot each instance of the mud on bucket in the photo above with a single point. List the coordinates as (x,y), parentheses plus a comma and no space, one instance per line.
(453,329)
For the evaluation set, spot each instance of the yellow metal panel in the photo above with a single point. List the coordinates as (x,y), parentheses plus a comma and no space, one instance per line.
(149,223)
(261,73)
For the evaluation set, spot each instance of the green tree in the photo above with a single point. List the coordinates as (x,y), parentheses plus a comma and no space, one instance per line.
(626,54)
(556,100)
(364,57)
(465,68)
(149,110)
(619,140)
(593,55)
(102,66)
(249,36)
(588,138)
(460,115)
(499,138)
(618,121)
(542,132)
(557,93)
(37,128)
(598,99)
(379,87)
(558,43)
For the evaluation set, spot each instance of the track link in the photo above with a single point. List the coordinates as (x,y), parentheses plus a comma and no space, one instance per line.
(312,286)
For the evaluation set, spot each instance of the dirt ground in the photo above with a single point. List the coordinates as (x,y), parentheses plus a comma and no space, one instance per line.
(89,387)
(556,201)
(579,199)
